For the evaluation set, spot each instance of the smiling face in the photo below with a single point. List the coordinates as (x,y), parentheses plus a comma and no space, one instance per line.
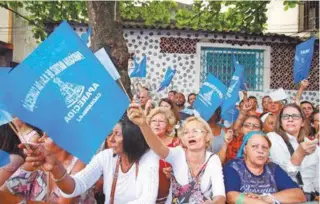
(250,124)
(159,124)
(195,136)
(116,139)
(257,150)
(291,121)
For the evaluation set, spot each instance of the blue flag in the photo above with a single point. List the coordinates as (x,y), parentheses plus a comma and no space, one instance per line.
(85,36)
(210,97)
(4,158)
(167,78)
(231,115)
(65,90)
(232,95)
(303,59)
(140,70)
(237,65)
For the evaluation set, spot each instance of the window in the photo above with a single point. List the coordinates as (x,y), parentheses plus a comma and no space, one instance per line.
(310,17)
(219,62)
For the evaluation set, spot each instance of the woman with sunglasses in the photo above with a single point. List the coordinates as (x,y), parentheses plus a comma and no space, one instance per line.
(197,174)
(252,179)
(293,151)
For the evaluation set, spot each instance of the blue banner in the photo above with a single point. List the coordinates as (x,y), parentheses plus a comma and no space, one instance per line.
(4,71)
(237,65)
(86,35)
(4,158)
(232,95)
(210,97)
(64,90)
(140,69)
(231,115)
(167,78)
(303,59)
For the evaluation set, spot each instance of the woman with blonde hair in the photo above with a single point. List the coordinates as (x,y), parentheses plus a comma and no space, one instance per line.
(197,174)
(292,150)
(162,121)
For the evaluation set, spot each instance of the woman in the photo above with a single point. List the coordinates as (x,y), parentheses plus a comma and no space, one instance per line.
(249,123)
(161,122)
(129,169)
(251,179)
(292,150)
(9,142)
(315,124)
(34,184)
(167,103)
(197,174)
(269,122)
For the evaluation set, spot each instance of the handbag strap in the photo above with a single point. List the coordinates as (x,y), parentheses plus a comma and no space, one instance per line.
(291,150)
(115,178)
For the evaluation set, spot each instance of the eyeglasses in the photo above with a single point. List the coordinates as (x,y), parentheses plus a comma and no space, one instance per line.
(257,146)
(252,126)
(195,132)
(293,116)
(158,121)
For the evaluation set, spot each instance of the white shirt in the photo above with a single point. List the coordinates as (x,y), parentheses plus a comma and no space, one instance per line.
(129,189)
(280,155)
(212,174)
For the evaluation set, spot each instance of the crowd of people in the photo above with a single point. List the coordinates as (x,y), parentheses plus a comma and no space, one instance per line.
(166,153)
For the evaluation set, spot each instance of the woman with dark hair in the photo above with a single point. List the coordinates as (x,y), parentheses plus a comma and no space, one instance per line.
(315,124)
(292,150)
(129,169)
(167,103)
(9,142)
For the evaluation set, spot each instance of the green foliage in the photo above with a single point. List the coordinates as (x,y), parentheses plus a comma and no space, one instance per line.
(248,16)
(289,4)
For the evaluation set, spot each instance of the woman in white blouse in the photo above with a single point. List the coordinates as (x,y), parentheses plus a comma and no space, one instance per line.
(197,174)
(129,169)
(292,150)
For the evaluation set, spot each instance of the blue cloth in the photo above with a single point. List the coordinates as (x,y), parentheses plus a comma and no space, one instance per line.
(167,78)
(237,177)
(245,140)
(303,59)
(64,90)
(140,70)
(210,97)
(239,66)
(228,109)
(4,158)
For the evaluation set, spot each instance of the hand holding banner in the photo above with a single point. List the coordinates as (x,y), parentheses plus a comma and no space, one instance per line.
(210,97)
(64,90)
(303,59)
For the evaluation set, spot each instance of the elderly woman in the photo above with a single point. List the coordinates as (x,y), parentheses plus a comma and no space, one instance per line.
(269,122)
(293,151)
(35,185)
(129,169)
(251,179)
(197,174)
(161,121)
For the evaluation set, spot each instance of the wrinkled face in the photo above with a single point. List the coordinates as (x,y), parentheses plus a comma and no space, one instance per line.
(307,109)
(269,124)
(274,107)
(165,105)
(143,97)
(180,99)
(316,123)
(291,121)
(251,124)
(171,96)
(159,124)
(116,139)
(257,150)
(195,137)
(265,102)
(191,99)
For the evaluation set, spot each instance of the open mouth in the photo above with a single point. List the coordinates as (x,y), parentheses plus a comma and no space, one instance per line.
(192,141)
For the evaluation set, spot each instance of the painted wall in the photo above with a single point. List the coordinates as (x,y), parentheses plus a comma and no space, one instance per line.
(4,25)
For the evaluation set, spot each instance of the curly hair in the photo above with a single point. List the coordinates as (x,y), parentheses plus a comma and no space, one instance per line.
(167,113)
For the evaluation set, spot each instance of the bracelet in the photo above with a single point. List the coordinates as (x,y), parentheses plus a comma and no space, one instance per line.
(240,199)
(62,177)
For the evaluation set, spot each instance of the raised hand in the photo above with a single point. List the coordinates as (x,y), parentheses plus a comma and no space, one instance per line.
(304,83)
(136,114)
(308,146)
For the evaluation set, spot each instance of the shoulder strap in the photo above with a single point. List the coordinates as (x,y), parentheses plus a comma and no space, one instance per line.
(72,164)
(203,167)
(291,150)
